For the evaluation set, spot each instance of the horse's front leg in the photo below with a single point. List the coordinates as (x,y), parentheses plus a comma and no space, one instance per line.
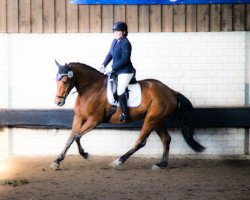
(80,149)
(86,127)
(79,128)
(76,125)
(55,165)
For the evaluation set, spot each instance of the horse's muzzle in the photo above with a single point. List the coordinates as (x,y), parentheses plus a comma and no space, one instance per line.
(60,101)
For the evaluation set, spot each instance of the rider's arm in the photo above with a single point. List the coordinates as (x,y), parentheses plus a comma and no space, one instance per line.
(107,59)
(109,55)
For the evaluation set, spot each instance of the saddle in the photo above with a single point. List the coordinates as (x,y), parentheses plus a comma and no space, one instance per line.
(133,91)
(114,82)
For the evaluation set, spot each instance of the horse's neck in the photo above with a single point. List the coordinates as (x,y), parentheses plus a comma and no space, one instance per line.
(84,79)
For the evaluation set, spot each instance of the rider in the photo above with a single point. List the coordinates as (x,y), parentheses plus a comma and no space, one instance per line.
(122,66)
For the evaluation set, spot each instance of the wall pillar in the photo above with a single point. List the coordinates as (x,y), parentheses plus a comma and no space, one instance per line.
(247,69)
(247,93)
(4,142)
(4,72)
(5,86)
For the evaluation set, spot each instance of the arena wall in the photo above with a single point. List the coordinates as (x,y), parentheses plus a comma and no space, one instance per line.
(210,68)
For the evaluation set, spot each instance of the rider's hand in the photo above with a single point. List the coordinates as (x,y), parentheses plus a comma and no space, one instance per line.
(108,69)
(102,69)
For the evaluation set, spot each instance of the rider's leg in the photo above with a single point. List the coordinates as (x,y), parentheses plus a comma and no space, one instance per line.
(123,104)
(123,81)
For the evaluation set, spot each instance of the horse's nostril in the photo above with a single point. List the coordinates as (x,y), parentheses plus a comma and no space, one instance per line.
(60,103)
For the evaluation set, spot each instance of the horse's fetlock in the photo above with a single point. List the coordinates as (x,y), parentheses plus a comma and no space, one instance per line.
(122,160)
(142,144)
(60,158)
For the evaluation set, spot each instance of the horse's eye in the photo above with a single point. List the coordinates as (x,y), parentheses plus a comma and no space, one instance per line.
(64,82)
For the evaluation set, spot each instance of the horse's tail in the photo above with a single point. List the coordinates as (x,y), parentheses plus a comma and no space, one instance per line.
(185,118)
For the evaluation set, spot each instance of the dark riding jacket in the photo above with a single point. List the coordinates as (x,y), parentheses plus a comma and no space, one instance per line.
(120,52)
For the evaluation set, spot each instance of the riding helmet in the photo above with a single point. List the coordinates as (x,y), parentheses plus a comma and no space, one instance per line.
(121,26)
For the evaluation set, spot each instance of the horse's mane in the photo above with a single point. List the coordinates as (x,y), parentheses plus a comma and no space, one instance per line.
(87,68)
(83,66)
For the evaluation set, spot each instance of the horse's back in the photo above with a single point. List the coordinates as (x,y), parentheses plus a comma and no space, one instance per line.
(156,87)
(158,95)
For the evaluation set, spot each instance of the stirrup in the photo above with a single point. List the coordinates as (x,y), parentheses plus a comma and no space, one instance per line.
(123,118)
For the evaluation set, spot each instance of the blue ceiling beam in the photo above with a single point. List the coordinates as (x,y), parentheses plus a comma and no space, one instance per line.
(152,2)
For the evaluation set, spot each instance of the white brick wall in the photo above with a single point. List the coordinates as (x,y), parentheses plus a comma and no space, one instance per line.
(209,68)
(4,71)
(117,142)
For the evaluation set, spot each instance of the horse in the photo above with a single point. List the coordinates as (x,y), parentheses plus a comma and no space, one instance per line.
(92,108)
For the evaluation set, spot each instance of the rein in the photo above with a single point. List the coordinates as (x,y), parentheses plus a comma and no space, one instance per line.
(70,84)
(62,97)
(89,84)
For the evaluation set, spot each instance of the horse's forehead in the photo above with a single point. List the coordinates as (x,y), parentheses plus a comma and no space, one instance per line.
(63,69)
(64,78)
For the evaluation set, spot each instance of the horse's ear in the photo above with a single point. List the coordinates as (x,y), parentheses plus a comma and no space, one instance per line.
(58,65)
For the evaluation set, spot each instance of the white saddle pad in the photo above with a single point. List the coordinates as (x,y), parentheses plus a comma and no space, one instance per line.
(134,95)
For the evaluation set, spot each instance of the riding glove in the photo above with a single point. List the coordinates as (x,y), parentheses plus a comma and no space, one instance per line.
(102,69)
(108,69)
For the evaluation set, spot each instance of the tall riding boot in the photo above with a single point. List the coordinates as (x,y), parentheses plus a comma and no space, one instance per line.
(123,103)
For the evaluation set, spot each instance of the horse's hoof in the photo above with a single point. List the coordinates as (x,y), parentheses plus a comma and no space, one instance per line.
(86,155)
(159,166)
(54,166)
(116,164)
(155,168)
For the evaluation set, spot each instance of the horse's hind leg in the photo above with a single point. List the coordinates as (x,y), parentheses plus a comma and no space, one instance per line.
(141,142)
(166,139)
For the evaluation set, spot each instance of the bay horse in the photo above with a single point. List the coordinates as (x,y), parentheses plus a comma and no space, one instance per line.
(91,108)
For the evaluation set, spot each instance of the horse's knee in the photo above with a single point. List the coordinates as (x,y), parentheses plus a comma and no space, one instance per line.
(77,137)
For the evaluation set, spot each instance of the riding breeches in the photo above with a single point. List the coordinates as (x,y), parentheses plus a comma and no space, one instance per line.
(123,81)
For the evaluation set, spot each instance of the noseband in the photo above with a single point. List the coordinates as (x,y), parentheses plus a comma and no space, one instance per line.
(62,97)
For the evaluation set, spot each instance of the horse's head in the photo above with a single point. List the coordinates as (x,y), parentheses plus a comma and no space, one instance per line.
(64,83)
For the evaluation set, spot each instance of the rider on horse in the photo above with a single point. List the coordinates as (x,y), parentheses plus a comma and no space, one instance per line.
(122,66)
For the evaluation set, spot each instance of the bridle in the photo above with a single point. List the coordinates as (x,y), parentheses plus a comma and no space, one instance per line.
(70,76)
